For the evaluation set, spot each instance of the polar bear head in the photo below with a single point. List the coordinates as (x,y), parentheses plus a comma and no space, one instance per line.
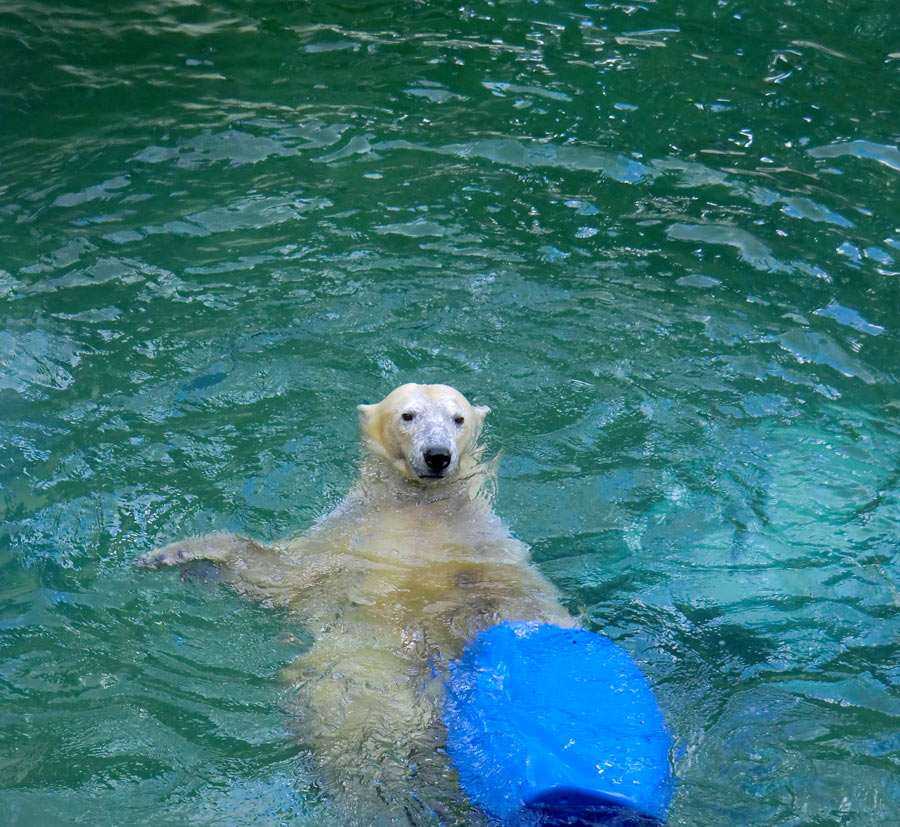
(422,430)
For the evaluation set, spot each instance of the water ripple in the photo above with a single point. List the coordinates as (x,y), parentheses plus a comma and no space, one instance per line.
(659,240)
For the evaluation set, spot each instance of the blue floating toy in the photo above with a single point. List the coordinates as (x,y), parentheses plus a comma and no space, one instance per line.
(553,726)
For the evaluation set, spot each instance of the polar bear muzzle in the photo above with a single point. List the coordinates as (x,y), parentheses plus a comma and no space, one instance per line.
(430,442)
(437,459)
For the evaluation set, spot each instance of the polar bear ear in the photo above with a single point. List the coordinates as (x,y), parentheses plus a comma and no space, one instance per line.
(371,424)
(366,414)
(481,411)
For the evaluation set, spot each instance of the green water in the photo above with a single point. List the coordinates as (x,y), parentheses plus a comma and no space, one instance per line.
(659,239)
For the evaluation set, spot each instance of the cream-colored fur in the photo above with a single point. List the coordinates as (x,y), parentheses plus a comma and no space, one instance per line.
(391,585)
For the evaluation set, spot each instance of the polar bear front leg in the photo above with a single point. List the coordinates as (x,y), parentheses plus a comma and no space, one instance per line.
(264,573)
(217,548)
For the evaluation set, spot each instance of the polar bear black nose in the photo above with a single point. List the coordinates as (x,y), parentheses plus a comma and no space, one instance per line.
(437,459)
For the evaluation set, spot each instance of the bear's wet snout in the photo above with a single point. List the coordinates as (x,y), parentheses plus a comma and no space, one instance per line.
(437,459)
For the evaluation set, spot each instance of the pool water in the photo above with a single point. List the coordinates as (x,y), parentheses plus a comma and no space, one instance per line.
(659,239)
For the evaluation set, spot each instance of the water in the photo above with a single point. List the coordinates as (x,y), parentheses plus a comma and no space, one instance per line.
(660,240)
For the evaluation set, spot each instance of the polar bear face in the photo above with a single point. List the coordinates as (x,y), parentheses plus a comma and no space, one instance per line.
(422,430)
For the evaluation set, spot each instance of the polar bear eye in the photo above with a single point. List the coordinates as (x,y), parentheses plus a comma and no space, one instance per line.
(407,416)
(459,419)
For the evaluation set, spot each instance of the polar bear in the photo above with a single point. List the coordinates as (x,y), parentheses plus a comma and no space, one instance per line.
(391,584)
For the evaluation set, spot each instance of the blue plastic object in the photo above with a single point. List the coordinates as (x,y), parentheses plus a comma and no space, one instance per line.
(556,726)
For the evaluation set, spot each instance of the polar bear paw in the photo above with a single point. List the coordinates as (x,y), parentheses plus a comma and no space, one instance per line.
(215,547)
(171,555)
